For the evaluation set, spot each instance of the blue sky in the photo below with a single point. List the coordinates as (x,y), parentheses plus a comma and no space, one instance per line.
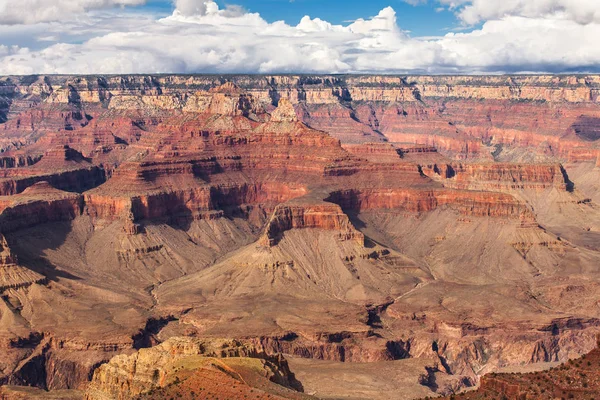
(422,20)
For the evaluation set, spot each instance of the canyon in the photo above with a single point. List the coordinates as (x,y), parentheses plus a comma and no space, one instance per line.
(294,236)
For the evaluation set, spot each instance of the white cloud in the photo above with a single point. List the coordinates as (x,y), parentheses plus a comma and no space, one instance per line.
(201,37)
(195,7)
(581,11)
(530,44)
(191,8)
(476,11)
(34,11)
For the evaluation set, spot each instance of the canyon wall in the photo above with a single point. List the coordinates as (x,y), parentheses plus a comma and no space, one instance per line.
(340,218)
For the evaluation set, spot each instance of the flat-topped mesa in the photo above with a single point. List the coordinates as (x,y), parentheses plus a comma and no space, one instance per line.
(38,204)
(479,204)
(193,202)
(55,159)
(498,176)
(75,180)
(63,167)
(321,215)
(186,202)
(12,275)
(152,174)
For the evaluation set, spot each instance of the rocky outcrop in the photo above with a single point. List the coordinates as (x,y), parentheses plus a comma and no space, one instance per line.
(62,167)
(12,275)
(78,180)
(575,379)
(200,202)
(18,161)
(413,200)
(497,176)
(284,113)
(298,216)
(51,364)
(147,370)
(38,204)
(336,346)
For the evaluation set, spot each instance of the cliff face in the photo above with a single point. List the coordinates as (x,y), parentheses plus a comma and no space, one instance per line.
(418,201)
(324,216)
(38,204)
(499,176)
(340,218)
(459,115)
(576,379)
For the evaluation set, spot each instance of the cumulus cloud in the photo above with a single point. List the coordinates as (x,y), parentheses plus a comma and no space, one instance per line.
(581,11)
(201,37)
(34,11)
(475,11)
(195,8)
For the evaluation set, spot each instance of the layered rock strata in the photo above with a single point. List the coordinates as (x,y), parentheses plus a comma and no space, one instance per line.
(38,204)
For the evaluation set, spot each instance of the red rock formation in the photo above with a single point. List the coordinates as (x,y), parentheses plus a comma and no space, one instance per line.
(419,201)
(17,161)
(77,180)
(298,216)
(495,176)
(38,204)
(375,152)
(62,167)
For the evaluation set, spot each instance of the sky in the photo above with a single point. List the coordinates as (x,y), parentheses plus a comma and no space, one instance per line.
(299,36)
(421,21)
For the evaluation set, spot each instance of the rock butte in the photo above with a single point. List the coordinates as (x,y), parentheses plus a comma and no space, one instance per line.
(294,236)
